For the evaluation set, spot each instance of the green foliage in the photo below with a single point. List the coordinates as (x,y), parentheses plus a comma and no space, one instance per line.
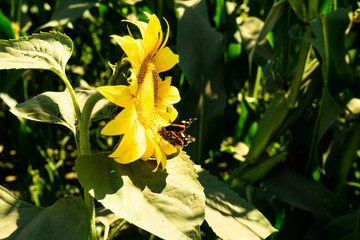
(68,218)
(169,204)
(41,51)
(206,95)
(56,107)
(226,210)
(275,88)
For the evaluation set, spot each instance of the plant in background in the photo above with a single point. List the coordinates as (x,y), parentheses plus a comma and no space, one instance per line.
(170,203)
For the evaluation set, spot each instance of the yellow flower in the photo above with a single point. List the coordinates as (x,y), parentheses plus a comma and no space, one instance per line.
(148,100)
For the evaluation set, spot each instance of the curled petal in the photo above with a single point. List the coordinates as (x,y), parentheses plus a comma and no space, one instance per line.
(167,112)
(153,36)
(132,145)
(160,157)
(119,94)
(122,122)
(149,148)
(167,147)
(133,49)
(165,59)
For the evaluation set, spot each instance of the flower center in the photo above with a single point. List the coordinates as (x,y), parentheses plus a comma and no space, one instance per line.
(147,94)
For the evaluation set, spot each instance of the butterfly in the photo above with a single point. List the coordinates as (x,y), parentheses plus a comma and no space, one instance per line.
(175,135)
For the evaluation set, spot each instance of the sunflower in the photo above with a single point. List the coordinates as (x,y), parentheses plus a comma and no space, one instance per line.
(147,100)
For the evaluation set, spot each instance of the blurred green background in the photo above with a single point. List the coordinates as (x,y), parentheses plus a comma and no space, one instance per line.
(274,86)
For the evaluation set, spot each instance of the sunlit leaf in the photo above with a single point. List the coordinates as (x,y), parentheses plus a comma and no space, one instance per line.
(68,218)
(67,11)
(169,204)
(56,107)
(201,52)
(230,216)
(49,50)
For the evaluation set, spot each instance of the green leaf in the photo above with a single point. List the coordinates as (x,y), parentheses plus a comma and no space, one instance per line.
(345,227)
(256,172)
(250,29)
(270,21)
(230,216)
(329,111)
(68,219)
(299,8)
(169,204)
(329,31)
(49,51)
(67,11)
(299,191)
(201,52)
(273,119)
(6,30)
(56,107)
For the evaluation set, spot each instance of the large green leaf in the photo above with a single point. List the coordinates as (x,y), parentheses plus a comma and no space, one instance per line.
(301,192)
(169,204)
(67,11)
(230,216)
(68,219)
(56,107)
(201,52)
(49,50)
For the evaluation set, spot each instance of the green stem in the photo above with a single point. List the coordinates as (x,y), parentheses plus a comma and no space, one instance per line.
(117,229)
(89,201)
(73,96)
(84,124)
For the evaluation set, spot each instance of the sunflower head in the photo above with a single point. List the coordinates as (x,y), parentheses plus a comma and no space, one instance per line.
(147,100)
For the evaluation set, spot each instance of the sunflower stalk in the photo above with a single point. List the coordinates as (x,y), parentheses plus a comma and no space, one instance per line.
(84,125)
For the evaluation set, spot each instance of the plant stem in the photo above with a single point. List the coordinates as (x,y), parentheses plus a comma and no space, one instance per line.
(85,122)
(117,229)
(72,94)
(84,145)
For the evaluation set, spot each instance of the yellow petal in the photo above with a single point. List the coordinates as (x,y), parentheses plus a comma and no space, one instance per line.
(119,94)
(140,24)
(133,49)
(168,148)
(160,157)
(149,148)
(167,112)
(168,94)
(153,36)
(122,122)
(165,60)
(166,37)
(132,145)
